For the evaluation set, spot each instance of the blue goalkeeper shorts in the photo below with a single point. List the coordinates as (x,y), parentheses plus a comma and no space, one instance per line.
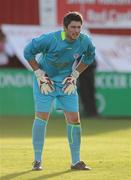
(44,103)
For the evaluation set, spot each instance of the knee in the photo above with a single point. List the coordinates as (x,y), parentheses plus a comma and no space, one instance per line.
(73,118)
(42,115)
(74,121)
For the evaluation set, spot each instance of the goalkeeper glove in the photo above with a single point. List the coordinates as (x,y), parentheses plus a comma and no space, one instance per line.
(45,84)
(70,83)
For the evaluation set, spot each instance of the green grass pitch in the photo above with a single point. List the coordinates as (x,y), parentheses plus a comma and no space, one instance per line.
(106,147)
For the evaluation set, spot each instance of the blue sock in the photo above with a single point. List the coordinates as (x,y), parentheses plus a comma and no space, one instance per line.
(74,138)
(38,136)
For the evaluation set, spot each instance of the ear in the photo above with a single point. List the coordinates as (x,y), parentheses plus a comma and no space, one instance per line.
(65,28)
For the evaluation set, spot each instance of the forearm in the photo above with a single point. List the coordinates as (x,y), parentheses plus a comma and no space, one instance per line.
(33,63)
(81,67)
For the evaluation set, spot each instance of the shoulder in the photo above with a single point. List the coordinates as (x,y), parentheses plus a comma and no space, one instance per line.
(57,35)
(85,38)
(50,37)
(86,42)
(47,35)
(53,35)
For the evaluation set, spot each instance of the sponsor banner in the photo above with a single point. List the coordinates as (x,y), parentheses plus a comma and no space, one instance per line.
(112,52)
(16,96)
(113,93)
(98,13)
(15,79)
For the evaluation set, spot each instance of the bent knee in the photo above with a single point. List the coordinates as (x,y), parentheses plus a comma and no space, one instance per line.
(42,115)
(72,117)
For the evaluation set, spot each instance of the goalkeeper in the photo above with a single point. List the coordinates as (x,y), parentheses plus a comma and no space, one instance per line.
(55,76)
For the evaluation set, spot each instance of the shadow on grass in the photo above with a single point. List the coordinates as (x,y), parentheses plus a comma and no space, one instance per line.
(14,175)
(22,126)
(45,176)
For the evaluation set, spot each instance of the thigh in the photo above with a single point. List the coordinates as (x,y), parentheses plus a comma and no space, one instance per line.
(69,103)
(42,102)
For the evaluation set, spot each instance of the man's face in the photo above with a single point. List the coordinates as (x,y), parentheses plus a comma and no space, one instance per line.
(73,30)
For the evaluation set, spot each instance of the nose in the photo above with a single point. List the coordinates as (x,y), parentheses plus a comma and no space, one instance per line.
(77,30)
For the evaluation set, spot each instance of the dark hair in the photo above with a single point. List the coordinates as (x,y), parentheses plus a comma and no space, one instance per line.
(72,16)
(2,35)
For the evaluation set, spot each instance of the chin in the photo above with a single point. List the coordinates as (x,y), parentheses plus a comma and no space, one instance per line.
(73,38)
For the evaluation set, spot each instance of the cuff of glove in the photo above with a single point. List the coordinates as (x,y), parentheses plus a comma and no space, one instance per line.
(39,72)
(75,74)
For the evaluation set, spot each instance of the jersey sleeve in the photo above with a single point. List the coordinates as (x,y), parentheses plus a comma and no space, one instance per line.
(89,52)
(36,46)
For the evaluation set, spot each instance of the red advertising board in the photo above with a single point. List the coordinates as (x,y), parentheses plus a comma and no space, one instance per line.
(97,13)
(19,12)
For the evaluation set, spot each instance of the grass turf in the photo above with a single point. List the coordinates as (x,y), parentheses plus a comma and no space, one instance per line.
(106,147)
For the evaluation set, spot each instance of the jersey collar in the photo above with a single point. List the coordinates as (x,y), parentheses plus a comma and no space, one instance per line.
(63,36)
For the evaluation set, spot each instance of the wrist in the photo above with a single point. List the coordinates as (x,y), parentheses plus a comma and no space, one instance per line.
(39,72)
(75,74)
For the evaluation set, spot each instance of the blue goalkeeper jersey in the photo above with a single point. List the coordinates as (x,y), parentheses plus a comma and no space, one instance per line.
(58,54)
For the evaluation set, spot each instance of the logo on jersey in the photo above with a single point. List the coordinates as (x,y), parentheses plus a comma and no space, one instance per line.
(69,48)
(76,56)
